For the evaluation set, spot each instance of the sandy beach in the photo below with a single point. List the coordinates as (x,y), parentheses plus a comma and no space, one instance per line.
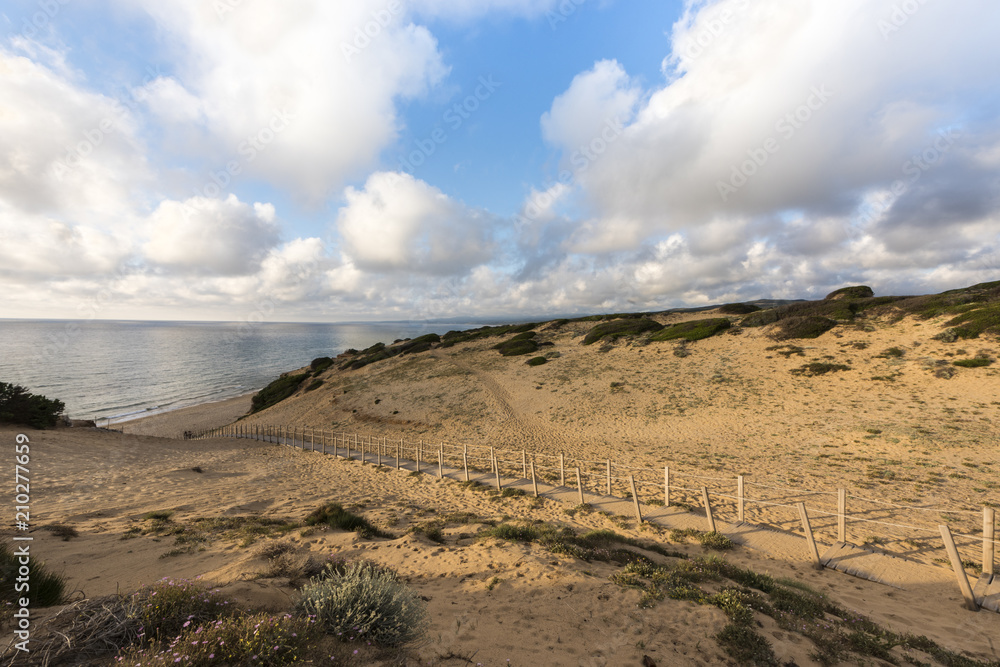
(194,419)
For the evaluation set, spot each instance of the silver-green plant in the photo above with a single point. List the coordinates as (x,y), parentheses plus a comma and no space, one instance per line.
(365,601)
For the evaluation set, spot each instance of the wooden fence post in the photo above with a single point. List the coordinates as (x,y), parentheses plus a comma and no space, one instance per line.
(356,441)
(609,477)
(635,498)
(562,470)
(465,463)
(708,509)
(524,464)
(496,467)
(666,486)
(956,564)
(420,446)
(741,506)
(312,439)
(989,548)
(810,539)
(399,451)
(493,461)
(842,515)
(441,461)
(378,453)
(534,482)
(579,485)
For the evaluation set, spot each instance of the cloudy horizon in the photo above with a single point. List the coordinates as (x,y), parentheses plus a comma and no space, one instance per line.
(432,159)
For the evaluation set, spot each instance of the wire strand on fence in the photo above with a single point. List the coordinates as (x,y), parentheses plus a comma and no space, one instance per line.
(918,509)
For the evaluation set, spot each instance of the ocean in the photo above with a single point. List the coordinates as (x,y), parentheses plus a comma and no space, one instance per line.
(116,371)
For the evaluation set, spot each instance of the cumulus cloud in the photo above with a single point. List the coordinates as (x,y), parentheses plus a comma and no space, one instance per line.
(601,97)
(63,148)
(821,134)
(300,96)
(399,223)
(211,236)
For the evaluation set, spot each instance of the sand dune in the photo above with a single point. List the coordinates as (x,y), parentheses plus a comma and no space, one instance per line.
(890,428)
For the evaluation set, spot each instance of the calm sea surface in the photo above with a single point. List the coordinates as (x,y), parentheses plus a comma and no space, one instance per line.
(123,370)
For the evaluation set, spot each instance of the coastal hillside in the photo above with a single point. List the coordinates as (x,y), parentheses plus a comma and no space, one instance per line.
(897,395)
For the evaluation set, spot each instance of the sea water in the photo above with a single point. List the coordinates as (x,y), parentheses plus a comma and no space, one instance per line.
(122,370)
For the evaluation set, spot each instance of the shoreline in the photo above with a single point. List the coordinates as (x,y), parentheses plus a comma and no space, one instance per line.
(194,418)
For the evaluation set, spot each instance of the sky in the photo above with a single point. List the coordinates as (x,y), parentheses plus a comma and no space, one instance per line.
(326,160)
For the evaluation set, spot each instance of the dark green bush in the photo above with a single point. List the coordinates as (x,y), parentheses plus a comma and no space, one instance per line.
(802,327)
(315,384)
(423,346)
(760,318)
(747,646)
(616,329)
(516,348)
(537,361)
(18,406)
(419,344)
(978,362)
(738,309)
(319,365)
(855,292)
(335,516)
(692,331)
(277,391)
(819,368)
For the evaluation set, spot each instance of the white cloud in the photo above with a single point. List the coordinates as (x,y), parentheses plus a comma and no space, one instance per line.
(332,92)
(211,236)
(825,114)
(601,96)
(64,149)
(399,223)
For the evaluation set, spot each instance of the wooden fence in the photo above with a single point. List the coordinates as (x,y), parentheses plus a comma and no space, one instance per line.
(928,534)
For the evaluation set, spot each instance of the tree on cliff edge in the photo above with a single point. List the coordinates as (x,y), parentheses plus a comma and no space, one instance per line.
(18,406)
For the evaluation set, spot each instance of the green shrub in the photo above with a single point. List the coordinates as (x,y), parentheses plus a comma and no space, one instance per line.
(760,318)
(277,391)
(802,327)
(321,364)
(692,331)
(892,353)
(537,361)
(978,362)
(527,335)
(856,292)
(738,309)
(516,348)
(716,541)
(616,329)
(419,344)
(819,368)
(18,406)
(335,516)
(46,589)
(746,646)
(985,319)
(356,364)
(315,384)
(366,602)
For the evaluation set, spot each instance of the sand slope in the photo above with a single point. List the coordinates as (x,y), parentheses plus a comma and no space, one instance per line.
(540,609)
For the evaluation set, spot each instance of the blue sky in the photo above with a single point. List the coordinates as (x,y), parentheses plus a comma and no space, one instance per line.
(241,159)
